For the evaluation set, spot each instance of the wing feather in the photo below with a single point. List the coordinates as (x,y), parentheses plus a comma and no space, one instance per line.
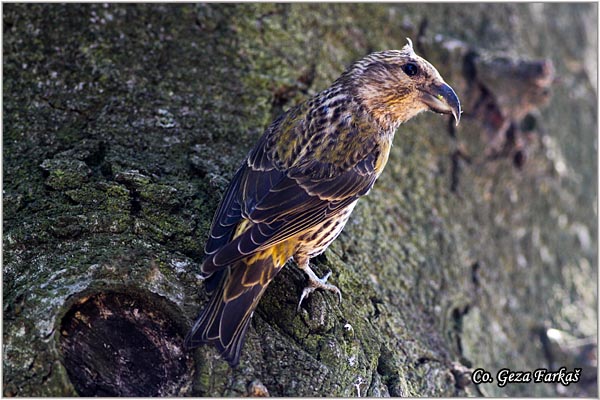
(288,209)
(279,202)
(228,215)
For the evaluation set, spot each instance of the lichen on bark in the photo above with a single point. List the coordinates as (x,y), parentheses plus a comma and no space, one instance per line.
(123,124)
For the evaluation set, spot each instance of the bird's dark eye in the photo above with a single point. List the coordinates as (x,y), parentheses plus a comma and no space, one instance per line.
(410,69)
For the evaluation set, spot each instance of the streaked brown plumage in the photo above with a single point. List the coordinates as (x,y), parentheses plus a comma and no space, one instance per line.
(295,191)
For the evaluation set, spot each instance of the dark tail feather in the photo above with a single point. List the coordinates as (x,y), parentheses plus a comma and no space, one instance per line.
(224,321)
(213,281)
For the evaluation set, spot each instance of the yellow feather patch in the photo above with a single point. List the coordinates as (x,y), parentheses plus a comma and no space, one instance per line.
(279,254)
(283,251)
(385,146)
(242,227)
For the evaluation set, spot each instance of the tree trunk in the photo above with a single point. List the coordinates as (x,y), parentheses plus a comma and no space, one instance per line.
(476,249)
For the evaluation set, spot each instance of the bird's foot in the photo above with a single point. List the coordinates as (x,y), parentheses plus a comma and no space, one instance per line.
(317,283)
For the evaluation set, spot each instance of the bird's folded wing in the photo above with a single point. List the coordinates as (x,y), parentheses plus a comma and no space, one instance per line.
(279,205)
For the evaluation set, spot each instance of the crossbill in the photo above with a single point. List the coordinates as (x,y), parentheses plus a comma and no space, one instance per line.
(295,191)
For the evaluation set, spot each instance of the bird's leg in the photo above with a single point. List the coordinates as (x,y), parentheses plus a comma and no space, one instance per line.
(315,282)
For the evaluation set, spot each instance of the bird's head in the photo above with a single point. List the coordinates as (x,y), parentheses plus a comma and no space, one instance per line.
(396,85)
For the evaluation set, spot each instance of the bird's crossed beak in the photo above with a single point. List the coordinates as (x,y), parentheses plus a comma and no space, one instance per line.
(442,99)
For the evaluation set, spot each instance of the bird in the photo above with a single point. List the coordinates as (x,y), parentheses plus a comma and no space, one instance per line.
(296,189)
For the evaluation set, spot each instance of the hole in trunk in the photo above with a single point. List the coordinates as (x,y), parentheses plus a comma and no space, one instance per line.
(118,344)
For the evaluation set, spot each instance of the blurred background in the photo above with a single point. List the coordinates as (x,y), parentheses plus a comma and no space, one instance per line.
(477,248)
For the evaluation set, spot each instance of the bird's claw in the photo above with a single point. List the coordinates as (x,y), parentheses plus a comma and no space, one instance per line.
(318,283)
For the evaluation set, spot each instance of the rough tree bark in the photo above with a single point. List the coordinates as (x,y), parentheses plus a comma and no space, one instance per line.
(476,249)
